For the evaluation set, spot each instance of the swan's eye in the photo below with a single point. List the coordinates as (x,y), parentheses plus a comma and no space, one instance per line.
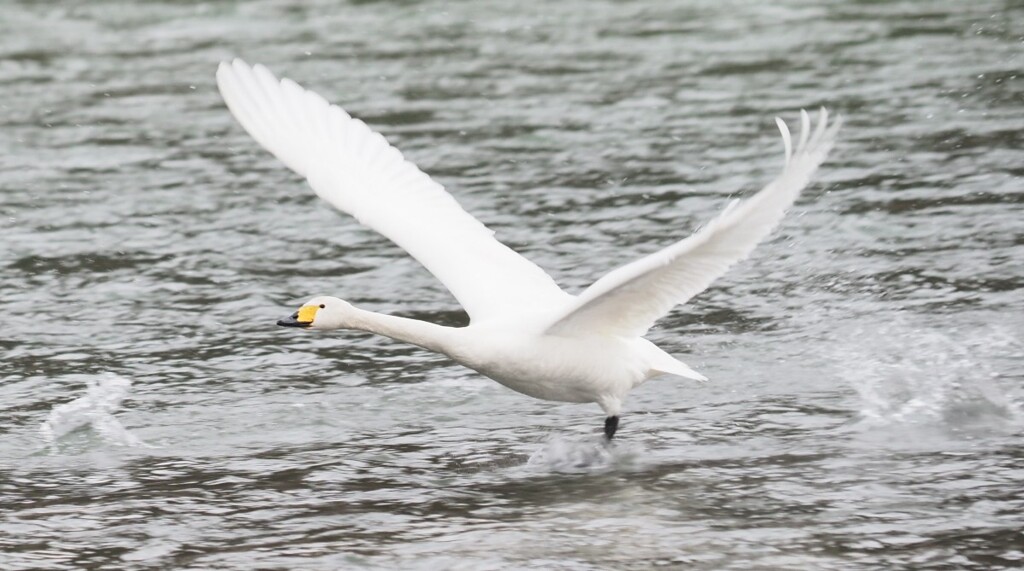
(322,306)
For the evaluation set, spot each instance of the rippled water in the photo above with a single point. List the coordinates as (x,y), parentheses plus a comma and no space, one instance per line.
(865,408)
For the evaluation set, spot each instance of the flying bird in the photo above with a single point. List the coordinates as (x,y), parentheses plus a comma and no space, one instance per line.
(525,332)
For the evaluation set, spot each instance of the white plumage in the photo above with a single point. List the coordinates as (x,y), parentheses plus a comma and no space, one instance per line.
(524,331)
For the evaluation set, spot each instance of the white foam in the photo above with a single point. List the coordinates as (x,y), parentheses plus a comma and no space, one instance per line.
(93,411)
(918,375)
(559,454)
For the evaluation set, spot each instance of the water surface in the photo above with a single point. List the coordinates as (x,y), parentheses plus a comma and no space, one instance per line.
(865,407)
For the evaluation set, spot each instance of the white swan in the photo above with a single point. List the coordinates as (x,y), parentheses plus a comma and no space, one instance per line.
(524,332)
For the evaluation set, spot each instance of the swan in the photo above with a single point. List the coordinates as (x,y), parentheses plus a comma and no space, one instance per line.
(525,332)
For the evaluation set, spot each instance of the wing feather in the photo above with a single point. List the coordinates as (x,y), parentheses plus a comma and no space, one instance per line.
(628,300)
(357,171)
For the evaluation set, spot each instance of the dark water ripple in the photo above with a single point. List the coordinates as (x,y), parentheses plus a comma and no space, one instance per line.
(867,365)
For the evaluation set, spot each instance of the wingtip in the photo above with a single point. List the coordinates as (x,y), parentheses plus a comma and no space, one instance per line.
(787,139)
(805,131)
(813,134)
(697,377)
(235,61)
(222,68)
(232,66)
(241,67)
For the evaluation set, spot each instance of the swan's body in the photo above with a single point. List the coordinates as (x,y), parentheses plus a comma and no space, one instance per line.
(524,332)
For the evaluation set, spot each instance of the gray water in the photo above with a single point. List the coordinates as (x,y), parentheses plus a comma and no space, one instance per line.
(866,402)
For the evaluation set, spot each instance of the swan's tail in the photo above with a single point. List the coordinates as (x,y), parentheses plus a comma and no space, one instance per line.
(662,363)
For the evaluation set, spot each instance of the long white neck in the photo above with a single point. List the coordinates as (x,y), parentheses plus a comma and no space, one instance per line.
(430,336)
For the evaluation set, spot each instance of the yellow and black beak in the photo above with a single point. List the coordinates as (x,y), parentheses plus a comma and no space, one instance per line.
(301,318)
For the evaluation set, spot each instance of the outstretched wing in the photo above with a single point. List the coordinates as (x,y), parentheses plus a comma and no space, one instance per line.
(358,172)
(628,300)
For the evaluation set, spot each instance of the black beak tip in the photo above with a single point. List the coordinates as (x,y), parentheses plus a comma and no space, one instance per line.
(292,321)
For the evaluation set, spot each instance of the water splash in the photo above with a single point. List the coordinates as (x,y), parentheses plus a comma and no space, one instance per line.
(559,454)
(926,376)
(95,410)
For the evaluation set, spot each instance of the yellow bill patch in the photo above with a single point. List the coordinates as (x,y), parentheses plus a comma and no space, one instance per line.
(307,313)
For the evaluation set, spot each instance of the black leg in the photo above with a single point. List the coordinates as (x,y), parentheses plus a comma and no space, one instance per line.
(611,424)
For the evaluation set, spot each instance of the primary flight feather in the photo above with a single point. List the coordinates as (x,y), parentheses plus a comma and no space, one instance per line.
(358,172)
(524,331)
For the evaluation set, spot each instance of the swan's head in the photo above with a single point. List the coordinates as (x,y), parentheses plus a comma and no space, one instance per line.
(322,312)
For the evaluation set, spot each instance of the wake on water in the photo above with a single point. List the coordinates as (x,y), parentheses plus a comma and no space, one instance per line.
(904,375)
(561,454)
(94,411)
